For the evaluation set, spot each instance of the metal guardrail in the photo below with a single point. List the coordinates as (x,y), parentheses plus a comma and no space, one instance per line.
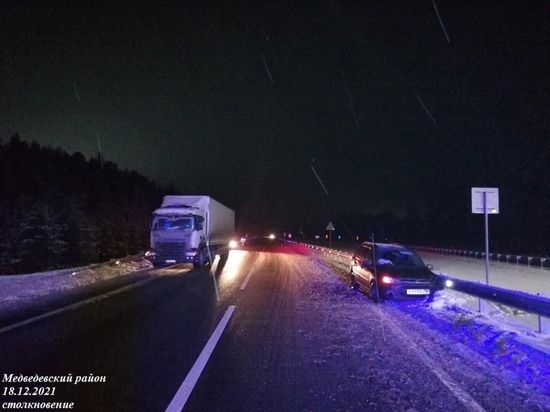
(531,261)
(534,304)
(538,305)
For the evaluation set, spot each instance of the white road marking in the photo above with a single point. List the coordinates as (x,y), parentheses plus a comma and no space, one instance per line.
(243,286)
(76,305)
(183,393)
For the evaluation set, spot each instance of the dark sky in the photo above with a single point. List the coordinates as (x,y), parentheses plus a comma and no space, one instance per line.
(236,98)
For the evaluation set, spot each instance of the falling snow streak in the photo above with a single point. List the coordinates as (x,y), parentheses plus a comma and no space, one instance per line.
(319,179)
(426,109)
(266,36)
(76,92)
(441,22)
(353,109)
(267,68)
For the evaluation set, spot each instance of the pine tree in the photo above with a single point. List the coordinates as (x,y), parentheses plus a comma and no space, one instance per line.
(41,244)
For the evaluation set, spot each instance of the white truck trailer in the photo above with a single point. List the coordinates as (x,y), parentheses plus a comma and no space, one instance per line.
(190,229)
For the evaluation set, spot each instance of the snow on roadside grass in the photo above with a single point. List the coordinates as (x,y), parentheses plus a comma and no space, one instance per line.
(519,324)
(27,287)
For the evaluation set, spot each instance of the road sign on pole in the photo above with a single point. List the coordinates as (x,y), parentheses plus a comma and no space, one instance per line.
(330,228)
(485,200)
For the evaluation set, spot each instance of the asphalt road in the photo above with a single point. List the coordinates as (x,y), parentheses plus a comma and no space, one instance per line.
(297,340)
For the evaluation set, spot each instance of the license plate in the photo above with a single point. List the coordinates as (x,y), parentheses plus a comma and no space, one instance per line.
(170,261)
(418,291)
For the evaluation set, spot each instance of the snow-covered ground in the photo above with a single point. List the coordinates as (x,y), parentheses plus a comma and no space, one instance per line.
(520,325)
(18,291)
(535,281)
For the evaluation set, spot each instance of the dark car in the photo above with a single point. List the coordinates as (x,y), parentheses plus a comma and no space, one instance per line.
(398,273)
(258,241)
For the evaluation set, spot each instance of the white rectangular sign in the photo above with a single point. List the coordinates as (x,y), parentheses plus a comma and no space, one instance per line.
(491,195)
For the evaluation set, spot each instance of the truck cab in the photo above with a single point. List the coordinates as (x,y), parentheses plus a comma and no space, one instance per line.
(189,229)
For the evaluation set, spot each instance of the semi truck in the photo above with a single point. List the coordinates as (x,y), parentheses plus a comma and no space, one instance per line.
(190,229)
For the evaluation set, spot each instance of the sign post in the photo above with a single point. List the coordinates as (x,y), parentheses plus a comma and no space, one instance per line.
(485,200)
(330,228)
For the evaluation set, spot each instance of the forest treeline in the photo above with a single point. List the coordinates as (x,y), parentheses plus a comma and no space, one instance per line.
(61,210)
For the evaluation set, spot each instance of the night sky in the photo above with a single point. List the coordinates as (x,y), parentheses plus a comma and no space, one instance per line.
(239,99)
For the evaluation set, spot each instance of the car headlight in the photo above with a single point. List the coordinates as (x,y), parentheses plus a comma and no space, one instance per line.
(233,244)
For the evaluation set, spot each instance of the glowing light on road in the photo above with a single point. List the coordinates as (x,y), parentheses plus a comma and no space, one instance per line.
(232,268)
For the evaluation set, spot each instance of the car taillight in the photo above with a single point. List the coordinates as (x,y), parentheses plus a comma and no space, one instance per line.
(388,280)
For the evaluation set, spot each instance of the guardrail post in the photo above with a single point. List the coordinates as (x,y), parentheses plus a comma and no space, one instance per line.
(544,325)
(484,306)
